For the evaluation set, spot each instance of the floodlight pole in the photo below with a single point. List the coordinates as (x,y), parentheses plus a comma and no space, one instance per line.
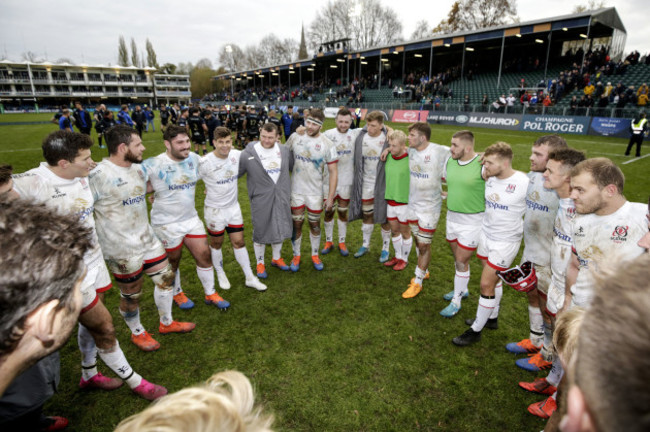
(548,53)
(503,44)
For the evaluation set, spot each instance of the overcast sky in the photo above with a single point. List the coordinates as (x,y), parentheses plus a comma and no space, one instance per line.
(182,31)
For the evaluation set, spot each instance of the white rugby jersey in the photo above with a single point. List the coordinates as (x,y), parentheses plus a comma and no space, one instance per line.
(505,204)
(311,155)
(541,209)
(603,240)
(427,167)
(220,178)
(371,148)
(63,195)
(344,144)
(561,244)
(271,160)
(121,209)
(174,184)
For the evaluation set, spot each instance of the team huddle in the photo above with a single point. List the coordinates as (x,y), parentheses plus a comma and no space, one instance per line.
(570,211)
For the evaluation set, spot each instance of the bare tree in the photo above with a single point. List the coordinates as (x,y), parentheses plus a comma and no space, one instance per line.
(122,52)
(478,14)
(32,57)
(367,23)
(422,30)
(232,57)
(135,59)
(152,59)
(273,50)
(591,5)
(184,68)
(64,60)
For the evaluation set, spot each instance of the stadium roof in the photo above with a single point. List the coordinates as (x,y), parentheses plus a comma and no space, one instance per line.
(597,19)
(65,64)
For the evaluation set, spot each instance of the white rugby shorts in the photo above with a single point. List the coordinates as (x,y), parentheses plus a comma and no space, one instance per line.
(466,236)
(97,280)
(499,254)
(172,235)
(399,213)
(314,203)
(217,219)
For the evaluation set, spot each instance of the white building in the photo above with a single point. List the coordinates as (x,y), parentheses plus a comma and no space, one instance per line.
(26,84)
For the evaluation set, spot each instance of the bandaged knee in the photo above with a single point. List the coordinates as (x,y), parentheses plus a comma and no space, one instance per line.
(164,279)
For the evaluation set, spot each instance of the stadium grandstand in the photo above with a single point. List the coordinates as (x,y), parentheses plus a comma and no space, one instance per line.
(440,72)
(26,86)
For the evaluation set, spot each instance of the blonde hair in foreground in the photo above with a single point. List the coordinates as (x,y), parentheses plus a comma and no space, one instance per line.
(225,403)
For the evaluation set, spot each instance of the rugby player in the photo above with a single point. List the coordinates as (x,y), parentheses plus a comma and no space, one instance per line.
(61,183)
(219,170)
(426,164)
(312,153)
(465,211)
(556,177)
(172,177)
(130,246)
(501,233)
(343,138)
(606,226)
(541,209)
(198,129)
(267,165)
(368,185)
(397,195)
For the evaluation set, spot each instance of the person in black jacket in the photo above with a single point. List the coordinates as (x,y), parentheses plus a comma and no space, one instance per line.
(98,116)
(82,118)
(139,119)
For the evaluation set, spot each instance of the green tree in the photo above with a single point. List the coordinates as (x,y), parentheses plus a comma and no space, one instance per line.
(152,59)
(135,60)
(122,52)
(201,82)
(168,68)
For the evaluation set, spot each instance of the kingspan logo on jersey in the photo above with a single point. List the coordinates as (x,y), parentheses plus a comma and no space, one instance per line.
(190,185)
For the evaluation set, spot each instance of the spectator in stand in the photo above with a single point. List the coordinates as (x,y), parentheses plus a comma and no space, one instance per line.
(608,90)
(525,99)
(642,100)
(510,103)
(589,89)
(547,102)
(573,104)
(642,89)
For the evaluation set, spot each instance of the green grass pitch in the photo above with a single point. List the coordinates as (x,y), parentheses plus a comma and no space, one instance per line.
(337,350)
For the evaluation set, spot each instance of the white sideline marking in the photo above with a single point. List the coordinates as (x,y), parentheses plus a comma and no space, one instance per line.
(636,159)
(20,150)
